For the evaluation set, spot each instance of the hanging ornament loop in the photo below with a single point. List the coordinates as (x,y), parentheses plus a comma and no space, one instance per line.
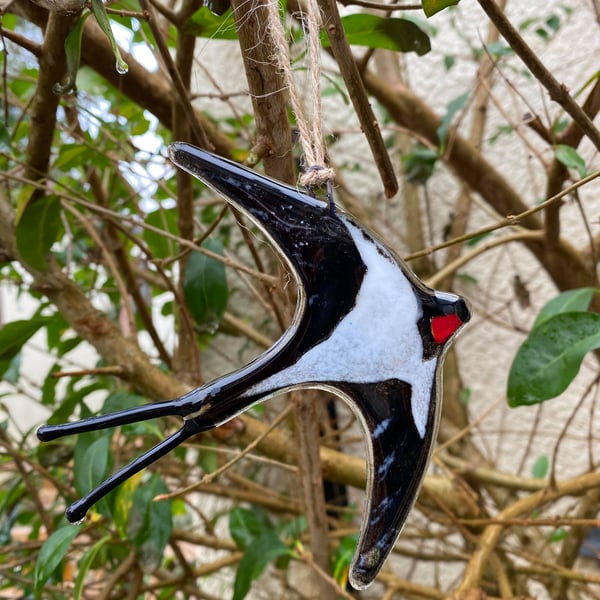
(317,173)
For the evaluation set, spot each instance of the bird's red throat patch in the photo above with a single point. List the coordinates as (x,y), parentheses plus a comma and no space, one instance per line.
(443,327)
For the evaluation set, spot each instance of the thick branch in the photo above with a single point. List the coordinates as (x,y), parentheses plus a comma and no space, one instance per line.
(269,99)
(45,101)
(267,88)
(185,124)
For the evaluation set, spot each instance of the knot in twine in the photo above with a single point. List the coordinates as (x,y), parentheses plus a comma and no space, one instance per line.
(316,175)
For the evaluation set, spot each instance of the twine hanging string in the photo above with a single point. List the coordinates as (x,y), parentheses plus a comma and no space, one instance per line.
(316,172)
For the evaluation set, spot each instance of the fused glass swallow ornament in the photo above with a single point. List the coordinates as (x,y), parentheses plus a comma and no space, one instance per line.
(365,329)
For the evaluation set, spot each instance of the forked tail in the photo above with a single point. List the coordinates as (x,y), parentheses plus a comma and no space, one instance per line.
(180,407)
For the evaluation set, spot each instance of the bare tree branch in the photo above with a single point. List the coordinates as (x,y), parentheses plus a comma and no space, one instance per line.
(45,101)
(360,100)
(558,92)
(562,262)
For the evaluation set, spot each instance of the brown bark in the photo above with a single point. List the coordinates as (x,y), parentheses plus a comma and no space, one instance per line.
(267,89)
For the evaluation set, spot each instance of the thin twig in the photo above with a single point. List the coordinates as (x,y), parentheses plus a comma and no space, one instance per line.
(489,538)
(112,267)
(508,221)
(555,522)
(118,12)
(21,41)
(227,261)
(381,5)
(210,477)
(331,583)
(124,568)
(558,91)
(113,370)
(358,95)
(32,489)
(180,88)
(451,268)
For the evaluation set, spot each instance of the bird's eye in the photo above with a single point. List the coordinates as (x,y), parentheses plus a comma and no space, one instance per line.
(444,326)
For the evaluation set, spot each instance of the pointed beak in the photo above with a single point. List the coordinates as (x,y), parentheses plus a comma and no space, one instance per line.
(210,168)
(263,198)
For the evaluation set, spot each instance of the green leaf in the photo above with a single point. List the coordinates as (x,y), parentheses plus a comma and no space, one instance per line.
(123,400)
(5,139)
(558,535)
(419,164)
(72,54)
(75,156)
(399,35)
(497,49)
(452,108)
(208,460)
(257,555)
(551,356)
(343,558)
(569,157)
(570,301)
(56,328)
(540,467)
(464,396)
(160,245)
(83,565)
(205,286)
(553,22)
(71,400)
(449,61)
(478,238)
(101,15)
(51,553)
(150,523)
(10,495)
(49,386)
(11,369)
(204,23)
(430,7)
(38,228)
(292,530)
(123,505)
(13,336)
(245,525)
(91,464)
